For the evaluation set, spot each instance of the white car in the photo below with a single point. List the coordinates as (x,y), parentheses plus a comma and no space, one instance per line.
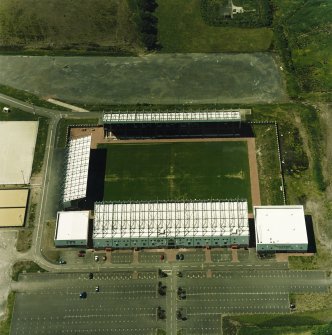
(96,258)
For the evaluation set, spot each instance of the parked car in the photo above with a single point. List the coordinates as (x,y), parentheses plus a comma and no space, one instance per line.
(81,254)
(97,288)
(90,275)
(96,258)
(61,261)
(83,295)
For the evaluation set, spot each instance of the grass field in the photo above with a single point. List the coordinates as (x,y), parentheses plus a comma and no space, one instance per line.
(104,26)
(307,323)
(181,28)
(201,170)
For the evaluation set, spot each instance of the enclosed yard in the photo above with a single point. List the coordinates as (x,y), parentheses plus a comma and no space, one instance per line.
(171,171)
(17,145)
(182,28)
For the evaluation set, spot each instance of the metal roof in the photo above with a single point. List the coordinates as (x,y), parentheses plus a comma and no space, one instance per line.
(77,167)
(120,117)
(170,219)
(280,225)
(72,225)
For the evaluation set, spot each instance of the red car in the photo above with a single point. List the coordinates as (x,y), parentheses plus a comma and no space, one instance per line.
(81,254)
(162,257)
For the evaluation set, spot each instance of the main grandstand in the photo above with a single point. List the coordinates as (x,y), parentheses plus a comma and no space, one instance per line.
(171,224)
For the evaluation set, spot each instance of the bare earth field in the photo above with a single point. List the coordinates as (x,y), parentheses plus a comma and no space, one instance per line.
(163,78)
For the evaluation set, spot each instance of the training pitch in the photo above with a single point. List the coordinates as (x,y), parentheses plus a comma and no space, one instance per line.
(177,171)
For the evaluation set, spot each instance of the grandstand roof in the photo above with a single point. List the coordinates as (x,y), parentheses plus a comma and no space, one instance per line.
(170,219)
(72,226)
(77,167)
(171,116)
(280,225)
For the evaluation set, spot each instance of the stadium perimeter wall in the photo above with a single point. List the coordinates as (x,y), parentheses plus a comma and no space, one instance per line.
(119,243)
(281,247)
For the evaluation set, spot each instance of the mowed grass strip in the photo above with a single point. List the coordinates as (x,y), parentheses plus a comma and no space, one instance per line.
(181,28)
(177,171)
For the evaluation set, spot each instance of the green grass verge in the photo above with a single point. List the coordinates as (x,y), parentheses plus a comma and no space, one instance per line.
(27,97)
(181,28)
(6,323)
(190,170)
(62,129)
(268,164)
(38,158)
(318,322)
(24,239)
(27,266)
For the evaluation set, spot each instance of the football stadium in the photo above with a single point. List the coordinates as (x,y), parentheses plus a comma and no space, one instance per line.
(161,179)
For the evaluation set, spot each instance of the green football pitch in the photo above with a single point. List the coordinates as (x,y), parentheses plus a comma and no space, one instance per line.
(177,171)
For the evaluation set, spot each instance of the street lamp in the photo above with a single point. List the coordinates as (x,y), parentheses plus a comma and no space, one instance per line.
(23,177)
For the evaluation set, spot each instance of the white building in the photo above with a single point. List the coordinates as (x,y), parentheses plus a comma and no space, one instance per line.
(280,228)
(72,229)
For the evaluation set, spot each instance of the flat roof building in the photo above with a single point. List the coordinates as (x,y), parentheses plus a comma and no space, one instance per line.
(171,224)
(72,229)
(280,228)
(13,207)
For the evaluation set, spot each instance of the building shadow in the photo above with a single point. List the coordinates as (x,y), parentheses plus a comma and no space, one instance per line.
(311,234)
(180,130)
(252,235)
(96,179)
